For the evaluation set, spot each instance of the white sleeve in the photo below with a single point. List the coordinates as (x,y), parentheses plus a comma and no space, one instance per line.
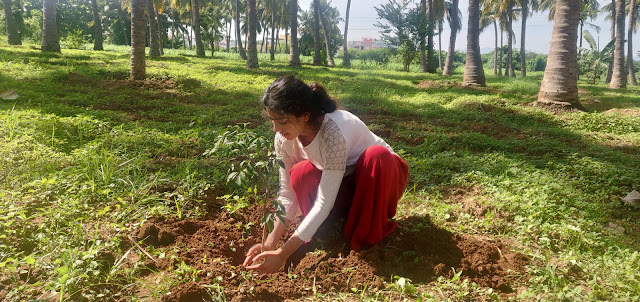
(285,194)
(334,157)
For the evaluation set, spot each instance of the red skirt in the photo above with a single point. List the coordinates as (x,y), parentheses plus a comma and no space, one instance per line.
(367,198)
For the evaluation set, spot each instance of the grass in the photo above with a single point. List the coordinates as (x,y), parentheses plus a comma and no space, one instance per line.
(86,157)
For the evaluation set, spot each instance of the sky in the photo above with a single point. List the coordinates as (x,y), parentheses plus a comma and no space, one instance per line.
(363,17)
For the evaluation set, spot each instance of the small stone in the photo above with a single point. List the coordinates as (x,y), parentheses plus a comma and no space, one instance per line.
(633,198)
(615,228)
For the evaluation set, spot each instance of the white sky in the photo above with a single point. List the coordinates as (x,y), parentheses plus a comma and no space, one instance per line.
(363,17)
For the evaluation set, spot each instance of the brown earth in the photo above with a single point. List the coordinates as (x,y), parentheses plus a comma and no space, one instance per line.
(418,250)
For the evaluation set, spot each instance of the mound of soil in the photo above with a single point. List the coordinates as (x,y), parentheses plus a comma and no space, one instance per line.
(417,250)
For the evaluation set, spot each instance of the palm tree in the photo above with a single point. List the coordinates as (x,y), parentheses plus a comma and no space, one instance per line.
(97,26)
(317,59)
(252,47)
(137,71)
(195,24)
(632,21)
(509,67)
(611,8)
(440,8)
(560,82)
(326,35)
(294,50)
(431,66)
(527,7)
(154,47)
(619,75)
(346,61)
(239,45)
(422,34)
(455,23)
(473,72)
(13,36)
(50,37)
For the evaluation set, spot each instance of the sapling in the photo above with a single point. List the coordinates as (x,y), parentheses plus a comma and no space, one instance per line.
(252,160)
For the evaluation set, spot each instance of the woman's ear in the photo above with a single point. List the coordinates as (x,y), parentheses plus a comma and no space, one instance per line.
(305,117)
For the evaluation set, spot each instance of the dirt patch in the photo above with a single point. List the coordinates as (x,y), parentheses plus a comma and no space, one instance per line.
(439,84)
(214,248)
(189,292)
(627,112)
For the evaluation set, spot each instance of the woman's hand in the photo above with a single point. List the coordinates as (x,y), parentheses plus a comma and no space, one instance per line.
(272,261)
(253,251)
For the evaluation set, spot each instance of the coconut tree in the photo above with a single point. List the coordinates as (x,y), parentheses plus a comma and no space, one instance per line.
(473,72)
(13,36)
(632,21)
(195,25)
(252,47)
(439,6)
(423,24)
(611,8)
(97,26)
(50,37)
(239,45)
(619,74)
(137,71)
(431,66)
(455,23)
(346,61)
(317,59)
(154,46)
(294,49)
(559,86)
(527,6)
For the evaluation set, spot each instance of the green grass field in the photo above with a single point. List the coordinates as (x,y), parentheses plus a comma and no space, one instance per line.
(87,157)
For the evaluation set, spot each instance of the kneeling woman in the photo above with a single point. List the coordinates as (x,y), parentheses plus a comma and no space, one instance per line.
(331,164)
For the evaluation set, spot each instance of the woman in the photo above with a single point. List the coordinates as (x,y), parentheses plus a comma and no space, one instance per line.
(331,164)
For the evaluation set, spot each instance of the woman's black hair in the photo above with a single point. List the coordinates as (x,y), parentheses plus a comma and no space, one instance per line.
(290,95)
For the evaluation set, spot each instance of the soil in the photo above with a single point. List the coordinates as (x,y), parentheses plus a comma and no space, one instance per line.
(417,250)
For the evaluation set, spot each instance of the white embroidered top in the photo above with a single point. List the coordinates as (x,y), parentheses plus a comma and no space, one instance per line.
(342,138)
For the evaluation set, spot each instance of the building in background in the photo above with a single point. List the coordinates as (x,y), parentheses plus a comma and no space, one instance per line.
(366,43)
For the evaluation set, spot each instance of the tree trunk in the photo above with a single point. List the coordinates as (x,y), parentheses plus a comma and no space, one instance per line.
(122,16)
(448,64)
(97,26)
(239,46)
(317,59)
(325,33)
(294,50)
(559,86)
(473,72)
(252,49)
(195,24)
(50,37)
(286,37)
(154,48)
(630,67)
(137,71)
(229,37)
(509,67)
(495,51)
(523,52)
(272,56)
(431,66)
(423,28)
(13,36)
(501,52)
(613,36)
(264,38)
(161,33)
(440,46)
(619,76)
(346,61)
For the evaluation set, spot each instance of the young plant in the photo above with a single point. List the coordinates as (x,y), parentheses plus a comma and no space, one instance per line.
(252,162)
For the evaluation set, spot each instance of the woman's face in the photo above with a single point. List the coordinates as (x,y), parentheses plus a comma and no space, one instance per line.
(288,125)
